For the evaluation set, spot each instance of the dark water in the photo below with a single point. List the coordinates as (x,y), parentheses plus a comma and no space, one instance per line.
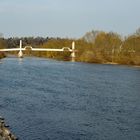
(52,100)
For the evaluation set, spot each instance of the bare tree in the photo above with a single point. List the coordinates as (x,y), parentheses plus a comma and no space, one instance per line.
(1,35)
(138,32)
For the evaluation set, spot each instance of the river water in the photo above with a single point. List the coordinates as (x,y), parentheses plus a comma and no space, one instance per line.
(44,99)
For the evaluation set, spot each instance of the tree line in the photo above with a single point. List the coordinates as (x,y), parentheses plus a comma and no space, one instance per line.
(94,47)
(2,45)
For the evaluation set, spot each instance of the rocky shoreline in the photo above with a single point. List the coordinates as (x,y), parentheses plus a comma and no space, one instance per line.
(5,133)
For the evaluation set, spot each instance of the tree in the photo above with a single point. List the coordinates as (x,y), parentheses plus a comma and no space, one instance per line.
(2,45)
(90,36)
(131,50)
(107,44)
(137,32)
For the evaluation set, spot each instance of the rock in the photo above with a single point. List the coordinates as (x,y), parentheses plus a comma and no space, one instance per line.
(5,133)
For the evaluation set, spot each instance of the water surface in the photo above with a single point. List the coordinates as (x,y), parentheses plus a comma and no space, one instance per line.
(43,99)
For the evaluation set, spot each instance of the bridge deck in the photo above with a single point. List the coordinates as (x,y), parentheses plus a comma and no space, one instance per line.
(36,49)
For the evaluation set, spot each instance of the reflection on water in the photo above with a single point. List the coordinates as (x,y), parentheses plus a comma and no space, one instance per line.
(53,100)
(20,60)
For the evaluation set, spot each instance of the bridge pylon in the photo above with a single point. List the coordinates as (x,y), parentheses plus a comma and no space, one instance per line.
(73,52)
(20,54)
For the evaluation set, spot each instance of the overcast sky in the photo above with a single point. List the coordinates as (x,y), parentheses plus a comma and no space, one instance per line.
(67,18)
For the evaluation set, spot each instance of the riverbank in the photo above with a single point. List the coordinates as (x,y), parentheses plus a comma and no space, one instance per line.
(58,59)
(5,133)
(2,55)
(112,63)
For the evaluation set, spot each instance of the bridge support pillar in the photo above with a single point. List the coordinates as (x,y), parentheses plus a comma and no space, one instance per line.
(73,52)
(20,54)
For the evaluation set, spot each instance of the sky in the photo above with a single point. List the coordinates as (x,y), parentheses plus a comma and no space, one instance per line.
(67,18)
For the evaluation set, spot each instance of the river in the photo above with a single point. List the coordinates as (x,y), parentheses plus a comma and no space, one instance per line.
(43,99)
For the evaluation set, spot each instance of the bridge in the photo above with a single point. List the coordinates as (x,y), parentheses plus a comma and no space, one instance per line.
(21,49)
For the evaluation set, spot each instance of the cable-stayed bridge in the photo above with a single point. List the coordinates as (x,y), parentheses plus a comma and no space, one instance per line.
(21,49)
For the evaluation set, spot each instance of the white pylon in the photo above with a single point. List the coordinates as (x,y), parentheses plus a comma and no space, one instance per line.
(73,52)
(20,54)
